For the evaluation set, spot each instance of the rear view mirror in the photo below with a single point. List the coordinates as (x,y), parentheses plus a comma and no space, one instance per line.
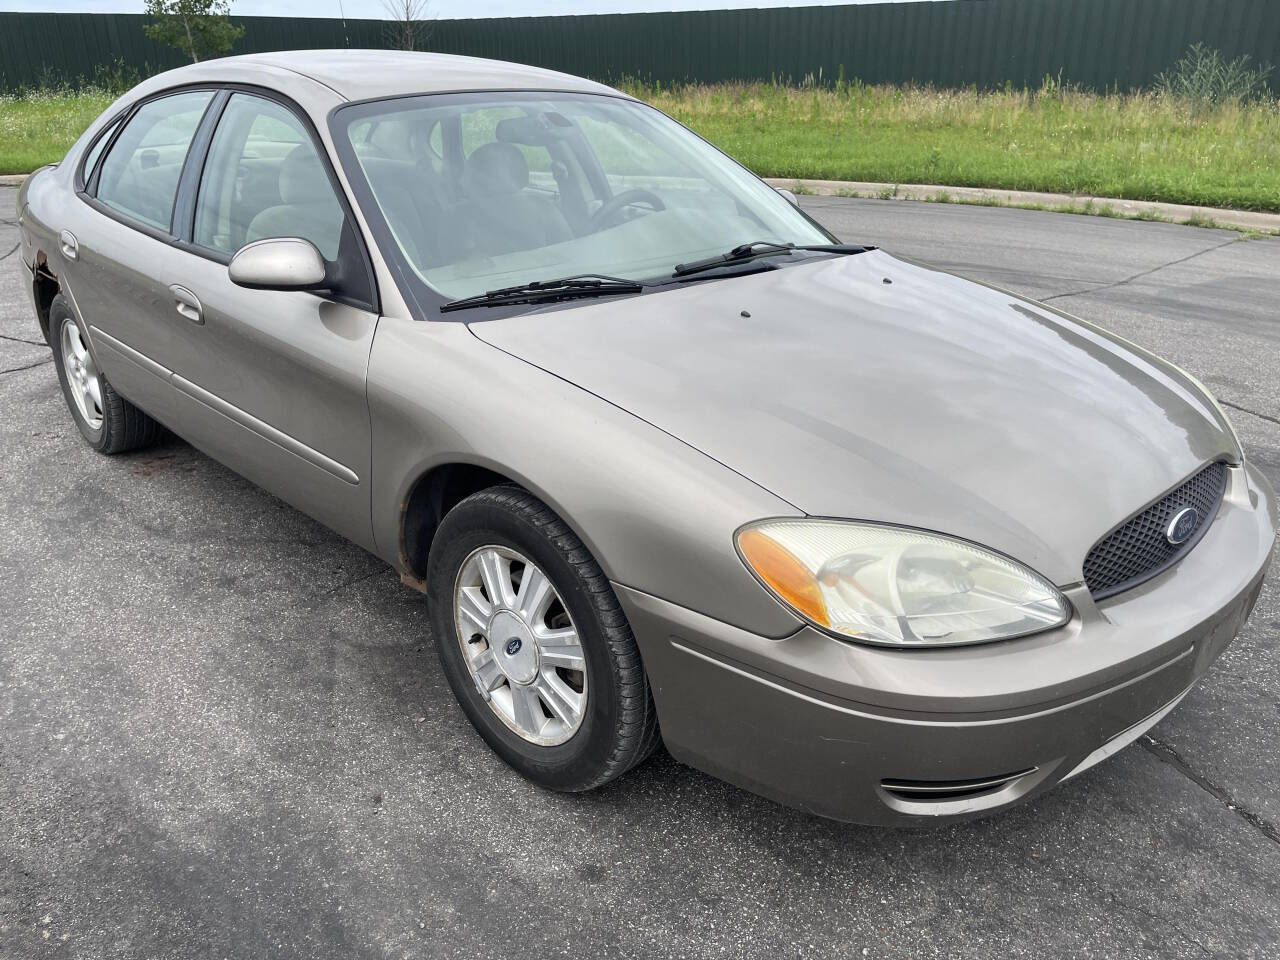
(789,195)
(278,263)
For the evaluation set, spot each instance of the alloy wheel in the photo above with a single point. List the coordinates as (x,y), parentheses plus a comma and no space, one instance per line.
(520,645)
(83,380)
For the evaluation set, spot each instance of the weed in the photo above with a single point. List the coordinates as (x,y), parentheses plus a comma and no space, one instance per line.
(37,127)
(1056,138)
(1199,220)
(1207,79)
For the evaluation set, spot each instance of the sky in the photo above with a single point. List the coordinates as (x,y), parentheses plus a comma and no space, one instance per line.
(438,9)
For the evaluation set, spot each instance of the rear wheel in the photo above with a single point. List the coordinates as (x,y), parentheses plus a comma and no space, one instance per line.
(107,421)
(534,643)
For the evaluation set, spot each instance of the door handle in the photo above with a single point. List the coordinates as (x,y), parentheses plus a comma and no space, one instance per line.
(69,244)
(187,304)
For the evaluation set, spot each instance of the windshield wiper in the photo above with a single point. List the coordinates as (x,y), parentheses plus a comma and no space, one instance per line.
(548,291)
(762,248)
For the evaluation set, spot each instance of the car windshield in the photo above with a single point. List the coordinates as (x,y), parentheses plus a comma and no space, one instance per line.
(482,191)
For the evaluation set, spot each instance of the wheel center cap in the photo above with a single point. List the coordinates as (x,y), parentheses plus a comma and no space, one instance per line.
(513,647)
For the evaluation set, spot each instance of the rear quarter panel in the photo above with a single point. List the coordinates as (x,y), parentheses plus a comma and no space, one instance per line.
(33,204)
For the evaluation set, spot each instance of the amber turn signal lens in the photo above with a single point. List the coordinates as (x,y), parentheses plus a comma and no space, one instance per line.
(783,574)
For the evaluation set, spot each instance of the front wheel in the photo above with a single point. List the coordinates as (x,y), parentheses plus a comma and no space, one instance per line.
(534,643)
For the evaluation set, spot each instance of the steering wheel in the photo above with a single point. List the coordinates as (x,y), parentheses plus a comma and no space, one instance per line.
(605,215)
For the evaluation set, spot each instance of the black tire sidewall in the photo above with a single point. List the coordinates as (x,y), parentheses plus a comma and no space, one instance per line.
(573,764)
(59,313)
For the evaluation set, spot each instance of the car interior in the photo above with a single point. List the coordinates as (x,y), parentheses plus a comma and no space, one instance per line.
(459,185)
(453,188)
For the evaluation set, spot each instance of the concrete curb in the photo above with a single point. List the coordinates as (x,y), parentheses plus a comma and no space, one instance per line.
(12,179)
(1175,212)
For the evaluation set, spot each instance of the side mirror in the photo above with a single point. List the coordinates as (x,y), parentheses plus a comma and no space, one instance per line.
(795,202)
(278,263)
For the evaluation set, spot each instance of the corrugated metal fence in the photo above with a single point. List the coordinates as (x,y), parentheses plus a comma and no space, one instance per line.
(1102,44)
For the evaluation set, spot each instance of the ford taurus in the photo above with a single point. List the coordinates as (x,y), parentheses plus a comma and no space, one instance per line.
(851,532)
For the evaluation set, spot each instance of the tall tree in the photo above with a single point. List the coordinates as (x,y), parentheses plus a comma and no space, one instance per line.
(196,27)
(409,27)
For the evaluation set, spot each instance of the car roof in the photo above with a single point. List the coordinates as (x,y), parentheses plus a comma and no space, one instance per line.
(373,74)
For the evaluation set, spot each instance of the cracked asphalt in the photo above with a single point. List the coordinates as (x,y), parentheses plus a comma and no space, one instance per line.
(224,732)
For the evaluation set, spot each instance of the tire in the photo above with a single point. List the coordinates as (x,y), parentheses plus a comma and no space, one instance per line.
(108,422)
(618,724)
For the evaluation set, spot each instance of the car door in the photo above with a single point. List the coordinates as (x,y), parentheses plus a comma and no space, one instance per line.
(117,244)
(272,382)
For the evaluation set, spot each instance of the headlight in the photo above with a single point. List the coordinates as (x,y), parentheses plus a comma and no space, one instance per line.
(888,585)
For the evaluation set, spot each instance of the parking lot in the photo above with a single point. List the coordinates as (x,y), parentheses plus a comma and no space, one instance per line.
(225,732)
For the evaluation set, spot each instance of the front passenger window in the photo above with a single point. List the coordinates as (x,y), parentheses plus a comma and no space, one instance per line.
(264,178)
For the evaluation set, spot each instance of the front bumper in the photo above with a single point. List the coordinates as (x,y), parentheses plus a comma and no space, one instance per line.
(882,736)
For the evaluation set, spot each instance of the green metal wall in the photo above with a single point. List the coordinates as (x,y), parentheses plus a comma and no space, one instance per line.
(1102,44)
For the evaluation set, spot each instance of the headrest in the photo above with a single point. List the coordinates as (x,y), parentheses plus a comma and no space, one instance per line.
(538,129)
(495,168)
(302,177)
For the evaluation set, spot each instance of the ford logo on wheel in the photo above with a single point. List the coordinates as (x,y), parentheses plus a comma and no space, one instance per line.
(513,646)
(1182,526)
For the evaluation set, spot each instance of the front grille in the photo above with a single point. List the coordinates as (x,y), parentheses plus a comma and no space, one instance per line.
(1139,548)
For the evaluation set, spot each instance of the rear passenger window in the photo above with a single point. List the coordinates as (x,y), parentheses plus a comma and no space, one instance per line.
(91,158)
(139,176)
(264,178)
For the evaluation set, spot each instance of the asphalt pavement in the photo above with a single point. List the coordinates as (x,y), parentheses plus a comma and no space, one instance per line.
(224,733)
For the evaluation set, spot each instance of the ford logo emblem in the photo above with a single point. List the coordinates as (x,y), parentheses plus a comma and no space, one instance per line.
(1182,526)
(513,646)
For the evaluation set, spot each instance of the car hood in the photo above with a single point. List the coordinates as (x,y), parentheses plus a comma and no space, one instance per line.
(871,388)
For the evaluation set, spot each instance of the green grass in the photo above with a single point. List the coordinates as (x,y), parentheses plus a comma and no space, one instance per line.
(37,128)
(1137,147)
